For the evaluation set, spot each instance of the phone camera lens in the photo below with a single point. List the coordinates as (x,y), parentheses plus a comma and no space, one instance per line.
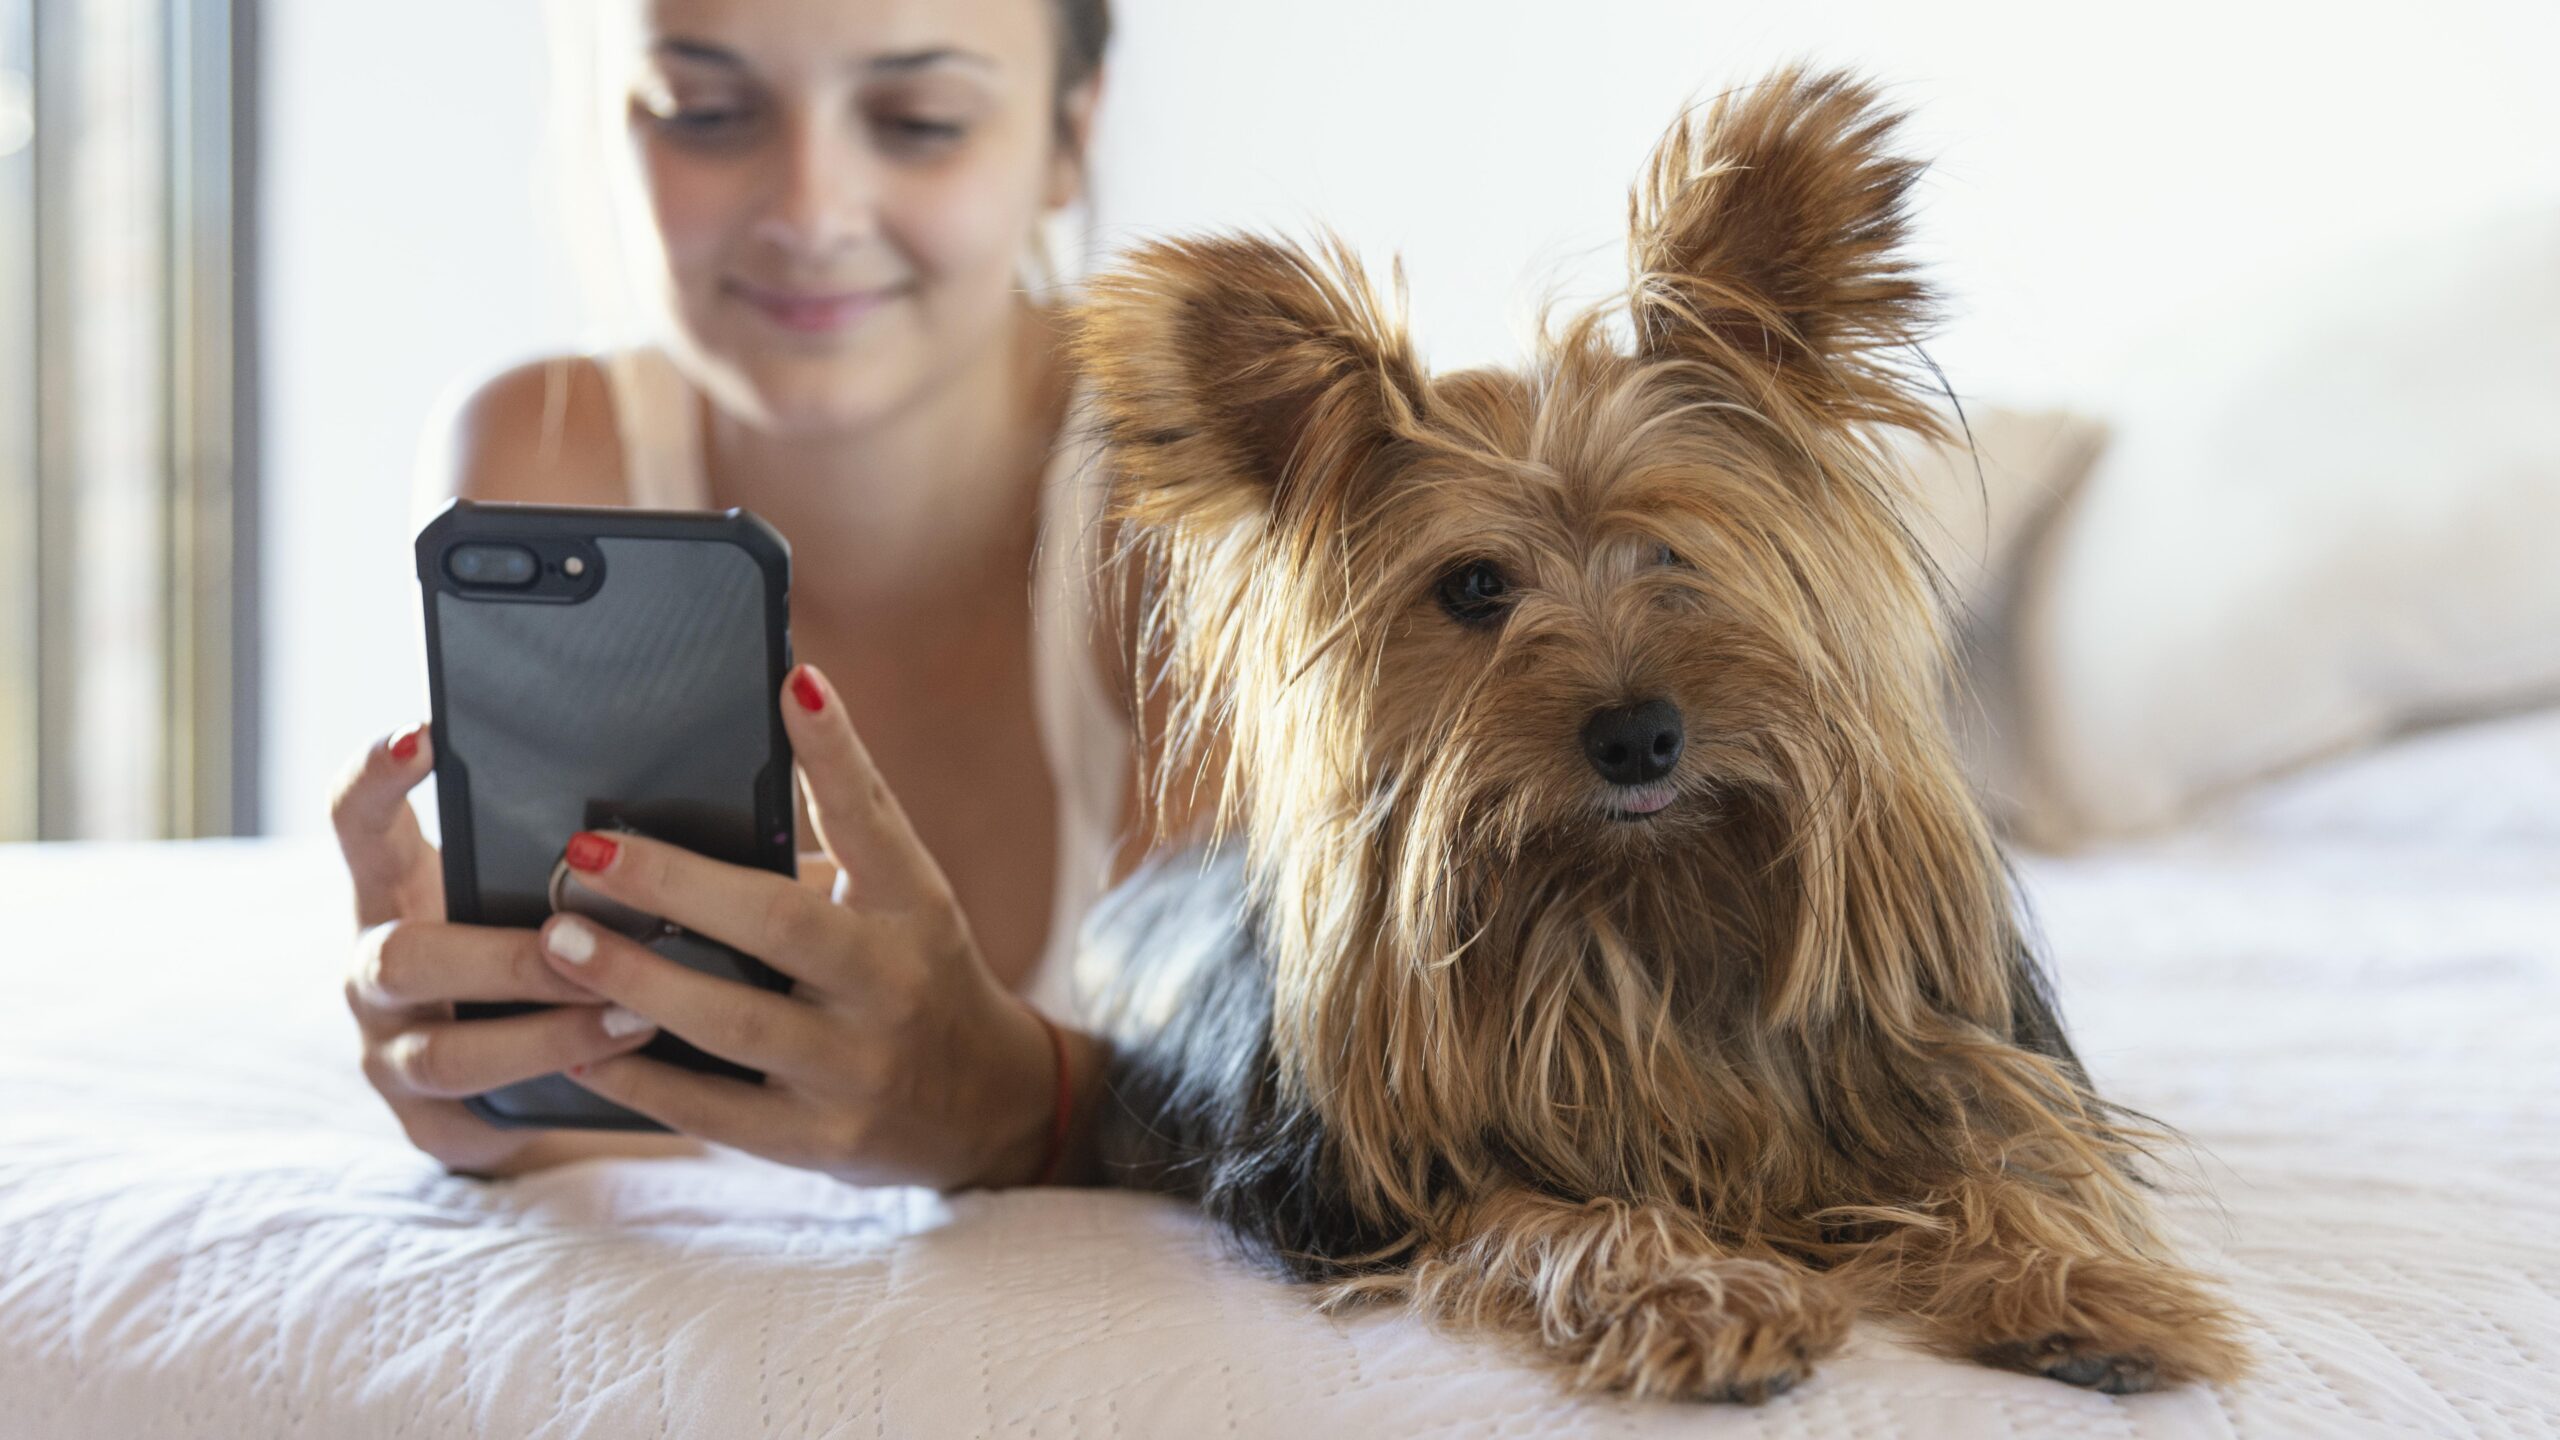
(507,565)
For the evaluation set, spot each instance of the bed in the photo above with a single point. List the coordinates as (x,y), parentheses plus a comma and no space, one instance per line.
(2345,989)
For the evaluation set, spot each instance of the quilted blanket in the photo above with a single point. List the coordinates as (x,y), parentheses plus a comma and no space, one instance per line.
(2347,994)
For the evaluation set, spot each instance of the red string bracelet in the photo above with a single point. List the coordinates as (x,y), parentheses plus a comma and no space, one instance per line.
(1066,1100)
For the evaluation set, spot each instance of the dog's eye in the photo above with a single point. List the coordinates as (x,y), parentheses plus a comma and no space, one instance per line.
(1475,593)
(1665,555)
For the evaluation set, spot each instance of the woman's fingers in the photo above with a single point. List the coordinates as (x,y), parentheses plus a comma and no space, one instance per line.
(786,924)
(394,868)
(449,1059)
(739,1023)
(708,1107)
(817,871)
(463,1142)
(857,817)
(372,793)
(403,966)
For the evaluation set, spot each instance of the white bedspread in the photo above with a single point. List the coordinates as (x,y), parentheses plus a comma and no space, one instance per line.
(2349,996)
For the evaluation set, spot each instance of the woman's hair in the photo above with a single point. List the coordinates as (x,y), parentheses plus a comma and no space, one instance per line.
(1084,33)
(583,186)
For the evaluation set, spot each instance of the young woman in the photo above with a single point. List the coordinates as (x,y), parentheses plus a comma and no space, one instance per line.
(840,192)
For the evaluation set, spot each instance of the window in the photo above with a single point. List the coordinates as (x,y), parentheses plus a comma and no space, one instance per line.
(124,522)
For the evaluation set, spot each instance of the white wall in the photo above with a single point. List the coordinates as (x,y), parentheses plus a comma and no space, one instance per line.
(2111,185)
(404,252)
(2098,168)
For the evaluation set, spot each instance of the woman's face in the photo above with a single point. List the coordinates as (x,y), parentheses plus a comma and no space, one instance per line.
(843,189)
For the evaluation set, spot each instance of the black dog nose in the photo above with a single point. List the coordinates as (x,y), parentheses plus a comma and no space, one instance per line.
(1631,744)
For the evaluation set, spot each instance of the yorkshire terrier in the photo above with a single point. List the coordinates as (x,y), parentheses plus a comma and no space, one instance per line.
(1596,940)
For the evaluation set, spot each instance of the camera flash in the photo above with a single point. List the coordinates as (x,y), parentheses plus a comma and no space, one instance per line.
(574,566)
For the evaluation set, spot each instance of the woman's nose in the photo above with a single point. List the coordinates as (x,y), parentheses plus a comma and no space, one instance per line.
(823,199)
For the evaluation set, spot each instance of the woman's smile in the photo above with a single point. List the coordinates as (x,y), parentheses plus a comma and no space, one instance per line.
(811,312)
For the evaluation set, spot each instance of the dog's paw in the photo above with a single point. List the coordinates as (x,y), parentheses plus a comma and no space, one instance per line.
(1737,1331)
(2115,1327)
(2077,1360)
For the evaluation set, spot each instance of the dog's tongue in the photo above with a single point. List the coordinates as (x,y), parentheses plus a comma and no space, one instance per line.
(1645,802)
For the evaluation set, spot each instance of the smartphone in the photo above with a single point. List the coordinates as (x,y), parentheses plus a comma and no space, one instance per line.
(600,668)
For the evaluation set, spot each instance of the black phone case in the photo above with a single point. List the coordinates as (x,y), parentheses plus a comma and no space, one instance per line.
(638,694)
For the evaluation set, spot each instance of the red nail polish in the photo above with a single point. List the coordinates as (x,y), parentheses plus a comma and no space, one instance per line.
(405,746)
(590,851)
(804,687)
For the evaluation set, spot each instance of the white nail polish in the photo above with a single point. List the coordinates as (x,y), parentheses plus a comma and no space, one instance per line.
(621,1024)
(572,941)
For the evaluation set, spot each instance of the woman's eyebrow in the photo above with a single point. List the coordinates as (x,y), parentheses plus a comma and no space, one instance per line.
(901,62)
(702,50)
(925,59)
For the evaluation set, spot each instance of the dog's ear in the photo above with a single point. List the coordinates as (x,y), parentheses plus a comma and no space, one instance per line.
(1237,377)
(1766,243)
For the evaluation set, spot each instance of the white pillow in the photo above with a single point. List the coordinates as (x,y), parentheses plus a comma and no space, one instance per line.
(2295,549)
(1979,504)
(1981,496)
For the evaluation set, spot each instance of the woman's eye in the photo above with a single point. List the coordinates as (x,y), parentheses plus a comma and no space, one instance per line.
(702,122)
(1475,593)
(919,132)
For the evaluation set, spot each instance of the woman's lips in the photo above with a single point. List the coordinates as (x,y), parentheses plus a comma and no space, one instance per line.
(811,312)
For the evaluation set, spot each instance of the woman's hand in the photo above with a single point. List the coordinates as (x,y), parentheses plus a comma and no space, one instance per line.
(410,966)
(896,1057)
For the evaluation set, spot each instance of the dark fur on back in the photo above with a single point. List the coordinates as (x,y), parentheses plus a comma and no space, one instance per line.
(1192,1104)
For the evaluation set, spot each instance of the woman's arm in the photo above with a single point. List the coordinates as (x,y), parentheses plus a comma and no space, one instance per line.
(1019,1161)
(1149,822)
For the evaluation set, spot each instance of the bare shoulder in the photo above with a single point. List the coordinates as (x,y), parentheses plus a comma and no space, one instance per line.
(541,432)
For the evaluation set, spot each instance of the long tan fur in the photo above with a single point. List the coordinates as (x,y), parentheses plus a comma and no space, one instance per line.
(1671,1100)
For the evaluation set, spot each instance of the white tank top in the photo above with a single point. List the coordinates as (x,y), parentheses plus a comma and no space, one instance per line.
(1083,733)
